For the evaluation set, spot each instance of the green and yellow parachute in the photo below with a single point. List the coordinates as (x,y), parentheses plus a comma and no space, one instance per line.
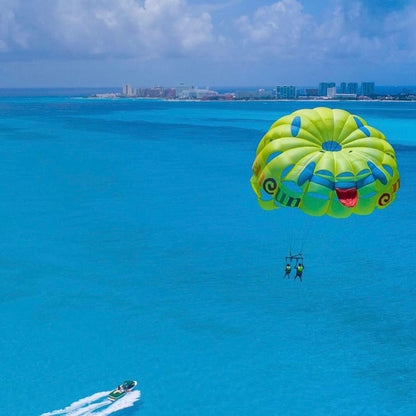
(325,162)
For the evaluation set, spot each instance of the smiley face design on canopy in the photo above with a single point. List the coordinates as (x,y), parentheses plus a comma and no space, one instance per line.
(325,162)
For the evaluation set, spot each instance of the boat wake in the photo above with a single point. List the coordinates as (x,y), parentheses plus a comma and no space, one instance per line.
(96,405)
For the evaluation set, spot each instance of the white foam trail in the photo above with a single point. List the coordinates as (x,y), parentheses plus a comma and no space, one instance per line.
(127,401)
(91,405)
(89,410)
(78,404)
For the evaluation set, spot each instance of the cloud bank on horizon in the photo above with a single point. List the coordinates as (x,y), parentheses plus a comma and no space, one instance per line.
(104,42)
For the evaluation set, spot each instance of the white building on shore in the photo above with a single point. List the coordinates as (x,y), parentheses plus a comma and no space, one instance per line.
(128,91)
(194,93)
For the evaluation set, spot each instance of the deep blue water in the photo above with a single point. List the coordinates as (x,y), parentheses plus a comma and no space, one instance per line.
(133,247)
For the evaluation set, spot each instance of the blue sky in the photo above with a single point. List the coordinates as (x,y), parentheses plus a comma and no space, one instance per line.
(77,43)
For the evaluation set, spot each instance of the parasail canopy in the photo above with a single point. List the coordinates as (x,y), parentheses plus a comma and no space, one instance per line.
(325,162)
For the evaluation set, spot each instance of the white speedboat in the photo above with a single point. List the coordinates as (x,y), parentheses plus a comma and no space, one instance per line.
(122,389)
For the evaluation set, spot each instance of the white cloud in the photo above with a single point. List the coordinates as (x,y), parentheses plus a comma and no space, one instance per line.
(282,19)
(127,28)
(153,29)
(343,34)
(354,32)
(283,31)
(276,29)
(12,34)
(400,30)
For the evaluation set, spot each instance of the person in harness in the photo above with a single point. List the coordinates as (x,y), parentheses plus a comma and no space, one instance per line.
(299,271)
(288,269)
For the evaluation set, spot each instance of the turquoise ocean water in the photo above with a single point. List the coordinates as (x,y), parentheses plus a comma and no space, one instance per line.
(133,247)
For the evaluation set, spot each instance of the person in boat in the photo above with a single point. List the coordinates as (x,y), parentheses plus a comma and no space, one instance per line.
(288,269)
(299,271)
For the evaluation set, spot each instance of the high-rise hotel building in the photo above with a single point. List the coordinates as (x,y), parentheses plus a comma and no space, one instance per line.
(367,89)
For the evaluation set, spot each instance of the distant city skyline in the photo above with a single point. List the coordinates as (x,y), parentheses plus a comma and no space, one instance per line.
(79,43)
(325,90)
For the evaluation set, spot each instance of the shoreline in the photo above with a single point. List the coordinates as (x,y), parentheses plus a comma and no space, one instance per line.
(120,97)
